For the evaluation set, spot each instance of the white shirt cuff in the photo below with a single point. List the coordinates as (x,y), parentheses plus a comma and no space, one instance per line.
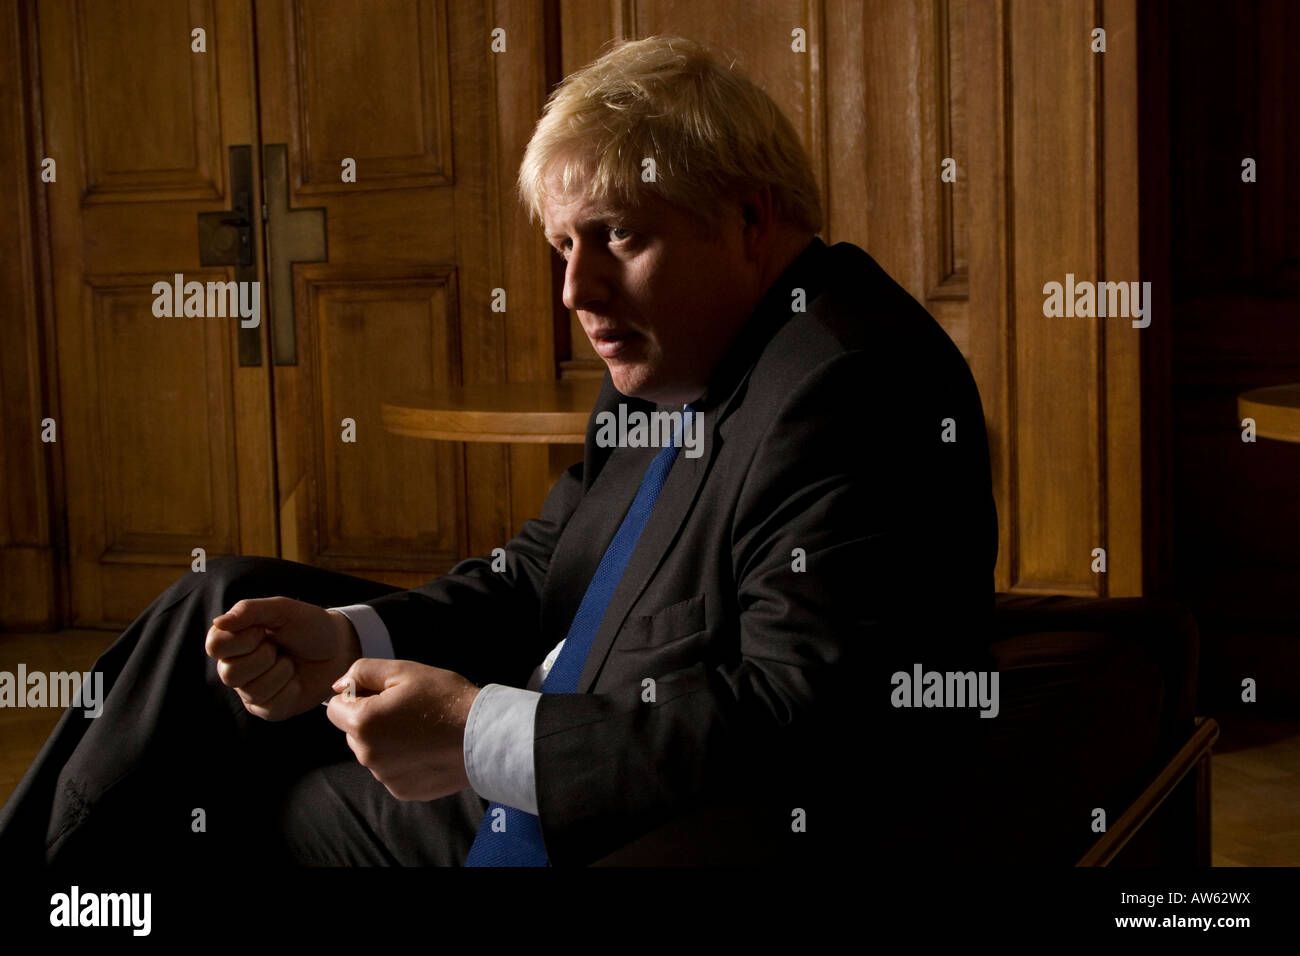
(499,746)
(370,628)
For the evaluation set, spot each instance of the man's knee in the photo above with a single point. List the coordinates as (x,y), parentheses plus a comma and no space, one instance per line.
(224,580)
(227,580)
(235,573)
(233,569)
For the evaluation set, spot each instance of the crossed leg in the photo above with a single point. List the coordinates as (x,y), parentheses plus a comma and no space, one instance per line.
(174,747)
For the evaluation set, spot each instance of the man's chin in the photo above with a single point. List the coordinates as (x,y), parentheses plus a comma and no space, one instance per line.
(627,385)
(648,390)
(632,380)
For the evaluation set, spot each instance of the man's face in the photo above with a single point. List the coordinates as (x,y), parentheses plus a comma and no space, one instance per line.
(659,302)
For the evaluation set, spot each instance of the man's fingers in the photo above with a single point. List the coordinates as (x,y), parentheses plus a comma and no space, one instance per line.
(223,644)
(242,670)
(283,705)
(410,786)
(254,612)
(371,674)
(345,709)
(264,688)
(365,756)
(240,630)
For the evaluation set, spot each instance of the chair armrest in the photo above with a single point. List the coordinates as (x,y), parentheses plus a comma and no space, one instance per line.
(1195,751)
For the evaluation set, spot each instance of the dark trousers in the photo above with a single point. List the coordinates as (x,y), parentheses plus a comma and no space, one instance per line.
(127,787)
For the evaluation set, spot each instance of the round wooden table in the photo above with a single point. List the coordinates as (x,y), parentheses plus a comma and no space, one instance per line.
(1276,411)
(551,413)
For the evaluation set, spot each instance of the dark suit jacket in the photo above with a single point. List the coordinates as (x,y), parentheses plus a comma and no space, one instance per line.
(826,537)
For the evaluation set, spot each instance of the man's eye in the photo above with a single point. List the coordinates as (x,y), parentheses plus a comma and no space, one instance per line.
(614,229)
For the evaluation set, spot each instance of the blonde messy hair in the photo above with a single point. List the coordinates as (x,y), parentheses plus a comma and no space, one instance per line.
(710,130)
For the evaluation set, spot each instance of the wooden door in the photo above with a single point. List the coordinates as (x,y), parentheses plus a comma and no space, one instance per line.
(180,433)
(165,438)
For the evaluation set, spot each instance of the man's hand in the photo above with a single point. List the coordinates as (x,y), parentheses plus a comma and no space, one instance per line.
(410,732)
(281,655)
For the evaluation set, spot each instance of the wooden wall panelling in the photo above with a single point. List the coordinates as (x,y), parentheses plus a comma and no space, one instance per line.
(1053,226)
(849,217)
(893,37)
(945,205)
(521,82)
(31,530)
(1072,210)
(992,329)
(1053,190)
(897,108)
(1047,187)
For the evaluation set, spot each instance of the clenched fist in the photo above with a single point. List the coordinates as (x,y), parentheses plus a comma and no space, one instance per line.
(281,655)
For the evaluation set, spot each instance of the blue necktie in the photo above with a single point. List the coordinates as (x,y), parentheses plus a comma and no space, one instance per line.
(520,842)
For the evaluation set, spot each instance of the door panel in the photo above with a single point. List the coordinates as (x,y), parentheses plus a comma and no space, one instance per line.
(384,496)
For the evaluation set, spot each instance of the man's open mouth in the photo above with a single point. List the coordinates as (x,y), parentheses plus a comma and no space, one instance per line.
(612,344)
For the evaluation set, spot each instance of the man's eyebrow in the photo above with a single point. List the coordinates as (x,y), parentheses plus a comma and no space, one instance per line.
(603,214)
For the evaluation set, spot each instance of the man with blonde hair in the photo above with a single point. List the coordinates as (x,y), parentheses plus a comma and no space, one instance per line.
(686,658)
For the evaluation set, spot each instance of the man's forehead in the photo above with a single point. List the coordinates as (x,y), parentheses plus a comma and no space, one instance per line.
(561,215)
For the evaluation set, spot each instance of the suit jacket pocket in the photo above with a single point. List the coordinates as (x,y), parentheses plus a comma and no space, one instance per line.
(651,632)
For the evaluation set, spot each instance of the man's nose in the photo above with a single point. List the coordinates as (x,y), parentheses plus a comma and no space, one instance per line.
(585,282)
